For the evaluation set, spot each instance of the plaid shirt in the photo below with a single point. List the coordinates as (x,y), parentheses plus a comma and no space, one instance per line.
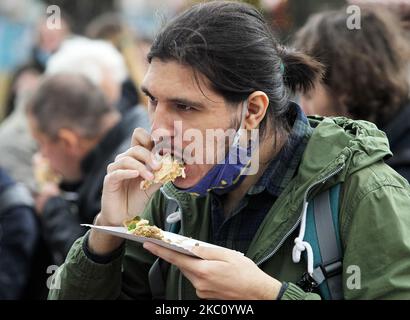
(238,229)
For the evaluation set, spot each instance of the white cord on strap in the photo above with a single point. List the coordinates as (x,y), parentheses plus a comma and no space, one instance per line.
(174,217)
(301,245)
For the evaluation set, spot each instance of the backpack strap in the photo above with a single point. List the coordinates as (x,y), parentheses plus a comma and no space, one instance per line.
(17,195)
(327,230)
(158,273)
(322,232)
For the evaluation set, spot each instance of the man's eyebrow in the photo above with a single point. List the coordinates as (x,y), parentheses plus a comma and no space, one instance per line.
(146,91)
(186,102)
(175,100)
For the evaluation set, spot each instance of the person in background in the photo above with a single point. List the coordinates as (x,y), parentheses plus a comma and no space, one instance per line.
(19,234)
(97,60)
(366,74)
(399,7)
(48,41)
(17,146)
(79,133)
(25,71)
(112,28)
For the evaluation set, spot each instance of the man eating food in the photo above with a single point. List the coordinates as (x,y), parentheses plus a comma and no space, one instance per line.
(218,67)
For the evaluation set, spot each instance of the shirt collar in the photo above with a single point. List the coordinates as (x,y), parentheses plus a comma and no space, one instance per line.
(283,167)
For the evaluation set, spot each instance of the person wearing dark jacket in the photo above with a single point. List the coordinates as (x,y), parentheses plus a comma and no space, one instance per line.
(398,133)
(19,234)
(366,74)
(79,134)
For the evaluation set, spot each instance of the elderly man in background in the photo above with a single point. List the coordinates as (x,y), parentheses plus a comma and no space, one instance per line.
(96,60)
(79,132)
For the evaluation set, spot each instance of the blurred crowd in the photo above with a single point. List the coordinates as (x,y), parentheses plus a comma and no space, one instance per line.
(73,101)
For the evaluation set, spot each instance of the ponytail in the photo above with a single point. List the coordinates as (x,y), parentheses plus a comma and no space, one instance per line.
(300,71)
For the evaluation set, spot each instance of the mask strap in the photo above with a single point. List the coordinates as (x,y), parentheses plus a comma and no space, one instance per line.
(243,116)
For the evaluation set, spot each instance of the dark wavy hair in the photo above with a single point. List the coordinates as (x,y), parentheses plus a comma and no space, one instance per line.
(365,68)
(234,48)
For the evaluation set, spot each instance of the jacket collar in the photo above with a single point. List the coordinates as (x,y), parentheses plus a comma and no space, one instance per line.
(283,167)
(337,148)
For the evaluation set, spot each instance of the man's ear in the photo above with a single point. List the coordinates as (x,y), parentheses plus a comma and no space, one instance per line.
(69,139)
(258,103)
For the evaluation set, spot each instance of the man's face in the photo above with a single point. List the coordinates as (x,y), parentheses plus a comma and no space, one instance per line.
(50,39)
(177,104)
(61,158)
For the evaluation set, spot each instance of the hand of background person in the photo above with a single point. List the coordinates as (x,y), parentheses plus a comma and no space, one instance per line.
(48,191)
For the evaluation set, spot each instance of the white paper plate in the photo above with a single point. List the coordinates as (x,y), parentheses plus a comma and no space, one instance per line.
(174,241)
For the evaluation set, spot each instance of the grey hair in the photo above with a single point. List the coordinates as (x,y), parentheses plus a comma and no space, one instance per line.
(69,101)
(91,58)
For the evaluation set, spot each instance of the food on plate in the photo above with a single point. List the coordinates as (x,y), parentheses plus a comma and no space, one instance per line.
(170,170)
(141,227)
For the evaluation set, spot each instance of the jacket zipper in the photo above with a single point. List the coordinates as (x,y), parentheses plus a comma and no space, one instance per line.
(323,180)
(182,228)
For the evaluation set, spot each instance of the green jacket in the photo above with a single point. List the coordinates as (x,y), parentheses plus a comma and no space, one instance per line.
(374,225)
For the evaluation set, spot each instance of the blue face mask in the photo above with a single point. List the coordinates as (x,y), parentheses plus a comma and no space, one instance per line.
(229,174)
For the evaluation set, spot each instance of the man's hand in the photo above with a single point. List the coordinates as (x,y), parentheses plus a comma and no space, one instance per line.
(122,198)
(48,191)
(223,274)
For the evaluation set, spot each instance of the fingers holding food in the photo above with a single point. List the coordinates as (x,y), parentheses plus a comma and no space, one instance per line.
(169,171)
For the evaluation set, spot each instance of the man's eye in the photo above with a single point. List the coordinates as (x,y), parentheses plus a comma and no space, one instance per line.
(152,101)
(184,107)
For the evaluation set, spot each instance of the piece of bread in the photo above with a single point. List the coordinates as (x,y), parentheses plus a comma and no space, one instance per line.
(169,171)
(43,174)
(141,227)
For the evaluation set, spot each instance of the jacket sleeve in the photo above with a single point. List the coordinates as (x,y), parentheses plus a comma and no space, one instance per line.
(293,292)
(61,227)
(81,278)
(125,277)
(377,245)
(18,237)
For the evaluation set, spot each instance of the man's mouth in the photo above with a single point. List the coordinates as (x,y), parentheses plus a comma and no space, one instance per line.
(175,154)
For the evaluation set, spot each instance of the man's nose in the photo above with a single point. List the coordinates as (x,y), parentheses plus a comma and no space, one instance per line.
(162,120)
